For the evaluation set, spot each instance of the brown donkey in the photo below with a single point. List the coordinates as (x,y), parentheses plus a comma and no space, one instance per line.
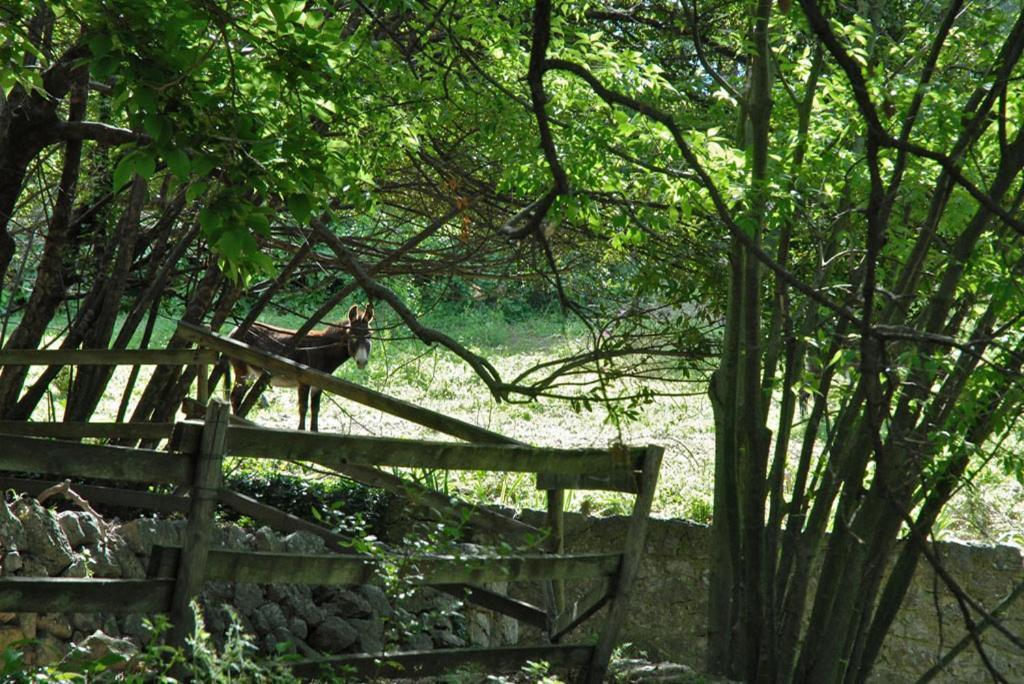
(323,350)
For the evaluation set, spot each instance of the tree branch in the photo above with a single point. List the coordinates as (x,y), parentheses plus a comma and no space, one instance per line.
(102,133)
(429,336)
(614,98)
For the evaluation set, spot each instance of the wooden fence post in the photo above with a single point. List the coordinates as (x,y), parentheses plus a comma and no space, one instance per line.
(202,383)
(556,542)
(206,481)
(624,583)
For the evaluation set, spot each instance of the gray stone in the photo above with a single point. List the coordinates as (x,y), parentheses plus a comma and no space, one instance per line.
(86,622)
(218,592)
(99,645)
(10,634)
(333,635)
(78,568)
(349,604)
(55,624)
(379,603)
(44,536)
(90,527)
(232,537)
(264,539)
(101,561)
(137,627)
(68,522)
(304,542)
(32,566)
(144,533)
(29,624)
(480,630)
(424,600)
(281,641)
(268,618)
(12,532)
(419,641)
(248,597)
(50,650)
(127,562)
(445,639)
(298,601)
(216,617)
(13,562)
(298,628)
(371,635)
(636,671)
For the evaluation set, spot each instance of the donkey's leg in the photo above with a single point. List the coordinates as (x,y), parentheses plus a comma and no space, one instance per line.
(315,415)
(303,403)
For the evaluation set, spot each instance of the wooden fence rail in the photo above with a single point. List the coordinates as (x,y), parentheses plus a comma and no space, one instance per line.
(339,569)
(338,450)
(286,368)
(196,450)
(106,357)
(69,459)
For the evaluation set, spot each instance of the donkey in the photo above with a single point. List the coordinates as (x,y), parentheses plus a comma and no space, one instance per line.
(323,350)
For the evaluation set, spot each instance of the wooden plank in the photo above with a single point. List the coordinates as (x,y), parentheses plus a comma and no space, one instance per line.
(500,603)
(202,383)
(625,481)
(482,519)
(283,367)
(623,586)
(340,569)
(133,498)
(87,430)
(333,450)
(278,519)
(555,543)
(105,357)
(412,664)
(199,532)
(70,459)
(580,610)
(72,595)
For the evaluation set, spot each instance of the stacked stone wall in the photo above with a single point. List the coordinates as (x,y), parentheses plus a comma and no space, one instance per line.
(668,620)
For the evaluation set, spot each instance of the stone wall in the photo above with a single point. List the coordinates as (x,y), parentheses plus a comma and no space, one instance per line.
(669,616)
(37,542)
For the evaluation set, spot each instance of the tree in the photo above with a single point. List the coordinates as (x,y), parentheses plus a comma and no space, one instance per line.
(863,225)
(825,198)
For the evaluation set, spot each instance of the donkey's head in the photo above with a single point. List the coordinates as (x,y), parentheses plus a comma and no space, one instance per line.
(359,334)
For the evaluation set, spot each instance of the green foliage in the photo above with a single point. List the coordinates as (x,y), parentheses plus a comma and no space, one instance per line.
(308,498)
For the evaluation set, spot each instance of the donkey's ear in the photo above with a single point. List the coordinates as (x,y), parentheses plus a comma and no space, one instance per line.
(368,313)
(353,313)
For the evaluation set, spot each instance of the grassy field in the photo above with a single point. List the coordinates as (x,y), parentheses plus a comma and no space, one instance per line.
(992,509)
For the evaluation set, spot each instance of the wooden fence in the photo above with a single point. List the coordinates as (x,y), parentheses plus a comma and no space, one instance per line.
(193,463)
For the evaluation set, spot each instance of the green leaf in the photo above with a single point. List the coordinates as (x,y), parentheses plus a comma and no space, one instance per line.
(202,164)
(104,67)
(145,99)
(124,170)
(99,45)
(195,190)
(210,221)
(259,222)
(157,127)
(145,164)
(177,162)
(300,206)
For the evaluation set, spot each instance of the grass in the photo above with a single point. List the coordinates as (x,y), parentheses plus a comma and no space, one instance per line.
(990,510)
